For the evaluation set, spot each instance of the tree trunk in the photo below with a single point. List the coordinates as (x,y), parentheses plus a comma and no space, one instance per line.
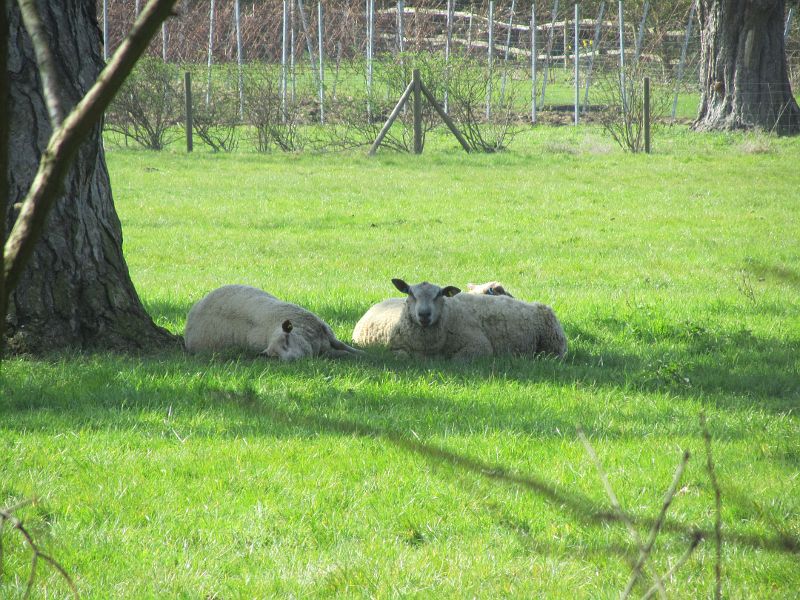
(744,77)
(76,291)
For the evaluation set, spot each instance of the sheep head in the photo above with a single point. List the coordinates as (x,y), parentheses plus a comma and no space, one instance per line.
(425,301)
(287,344)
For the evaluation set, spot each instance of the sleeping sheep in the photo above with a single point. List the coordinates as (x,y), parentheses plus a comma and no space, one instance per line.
(436,321)
(246,318)
(490,288)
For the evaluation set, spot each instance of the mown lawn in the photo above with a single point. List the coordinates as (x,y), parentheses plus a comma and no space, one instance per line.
(676,277)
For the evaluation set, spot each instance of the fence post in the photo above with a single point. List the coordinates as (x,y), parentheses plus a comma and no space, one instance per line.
(284,52)
(788,26)
(623,94)
(682,62)
(320,32)
(595,43)
(507,52)
(489,59)
(577,53)
(237,16)
(448,42)
(187,88)
(533,62)
(647,115)
(292,44)
(164,42)
(401,13)
(369,9)
(549,50)
(640,36)
(417,90)
(210,50)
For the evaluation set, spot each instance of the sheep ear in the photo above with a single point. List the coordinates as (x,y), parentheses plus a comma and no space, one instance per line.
(450,291)
(287,326)
(401,285)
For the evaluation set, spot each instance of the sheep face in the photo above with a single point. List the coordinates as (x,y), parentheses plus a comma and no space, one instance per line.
(425,301)
(287,345)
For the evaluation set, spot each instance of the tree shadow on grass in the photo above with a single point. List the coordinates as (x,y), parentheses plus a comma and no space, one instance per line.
(123,393)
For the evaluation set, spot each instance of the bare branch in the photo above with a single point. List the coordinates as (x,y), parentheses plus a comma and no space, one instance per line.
(617,508)
(44,60)
(696,539)
(673,488)
(7,516)
(712,475)
(65,141)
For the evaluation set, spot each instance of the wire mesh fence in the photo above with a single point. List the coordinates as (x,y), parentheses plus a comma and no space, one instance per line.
(297,74)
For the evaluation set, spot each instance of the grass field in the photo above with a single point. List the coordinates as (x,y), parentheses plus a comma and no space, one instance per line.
(676,277)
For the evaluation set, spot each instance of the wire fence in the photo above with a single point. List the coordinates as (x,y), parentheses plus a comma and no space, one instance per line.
(288,64)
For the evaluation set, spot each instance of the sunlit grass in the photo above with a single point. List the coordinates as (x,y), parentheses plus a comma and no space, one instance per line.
(675,276)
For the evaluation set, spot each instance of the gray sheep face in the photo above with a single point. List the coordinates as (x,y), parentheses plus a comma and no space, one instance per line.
(425,301)
(285,345)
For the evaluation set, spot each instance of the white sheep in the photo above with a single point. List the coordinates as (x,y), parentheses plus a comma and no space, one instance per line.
(490,288)
(246,318)
(435,321)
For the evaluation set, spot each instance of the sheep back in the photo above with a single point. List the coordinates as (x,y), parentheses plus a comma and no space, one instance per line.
(510,325)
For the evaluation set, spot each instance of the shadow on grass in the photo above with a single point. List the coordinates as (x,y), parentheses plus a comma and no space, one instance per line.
(249,397)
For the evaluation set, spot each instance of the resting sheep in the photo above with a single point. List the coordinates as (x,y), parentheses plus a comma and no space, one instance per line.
(490,288)
(435,321)
(246,318)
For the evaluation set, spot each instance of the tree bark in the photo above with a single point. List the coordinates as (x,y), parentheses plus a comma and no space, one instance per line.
(744,77)
(76,291)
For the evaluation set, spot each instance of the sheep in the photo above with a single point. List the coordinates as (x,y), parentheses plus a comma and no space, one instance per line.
(436,321)
(490,288)
(247,318)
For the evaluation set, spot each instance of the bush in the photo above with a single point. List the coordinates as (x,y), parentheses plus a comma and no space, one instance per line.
(149,105)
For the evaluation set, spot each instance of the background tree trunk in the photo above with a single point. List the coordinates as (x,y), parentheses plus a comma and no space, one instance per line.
(744,77)
(76,291)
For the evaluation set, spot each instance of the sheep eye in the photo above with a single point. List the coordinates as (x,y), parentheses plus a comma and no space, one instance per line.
(490,292)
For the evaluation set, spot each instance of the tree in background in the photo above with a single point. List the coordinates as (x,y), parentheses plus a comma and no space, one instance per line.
(743,73)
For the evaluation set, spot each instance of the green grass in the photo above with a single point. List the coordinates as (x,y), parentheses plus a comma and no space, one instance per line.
(675,276)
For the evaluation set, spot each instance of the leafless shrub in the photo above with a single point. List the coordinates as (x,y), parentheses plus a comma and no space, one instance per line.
(469,84)
(148,106)
(276,124)
(216,120)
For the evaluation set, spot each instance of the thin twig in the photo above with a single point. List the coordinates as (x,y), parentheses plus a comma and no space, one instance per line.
(698,537)
(617,507)
(712,475)
(44,61)
(654,531)
(7,516)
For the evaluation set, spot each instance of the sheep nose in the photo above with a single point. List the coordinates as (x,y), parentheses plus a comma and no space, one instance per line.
(424,319)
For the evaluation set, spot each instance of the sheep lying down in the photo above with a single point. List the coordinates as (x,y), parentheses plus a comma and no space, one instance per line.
(246,318)
(436,321)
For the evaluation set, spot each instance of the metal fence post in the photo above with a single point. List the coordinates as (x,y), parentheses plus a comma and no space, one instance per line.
(595,43)
(533,62)
(577,54)
(417,91)
(682,62)
(646,115)
(489,60)
(623,93)
(210,50)
(187,88)
(320,32)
